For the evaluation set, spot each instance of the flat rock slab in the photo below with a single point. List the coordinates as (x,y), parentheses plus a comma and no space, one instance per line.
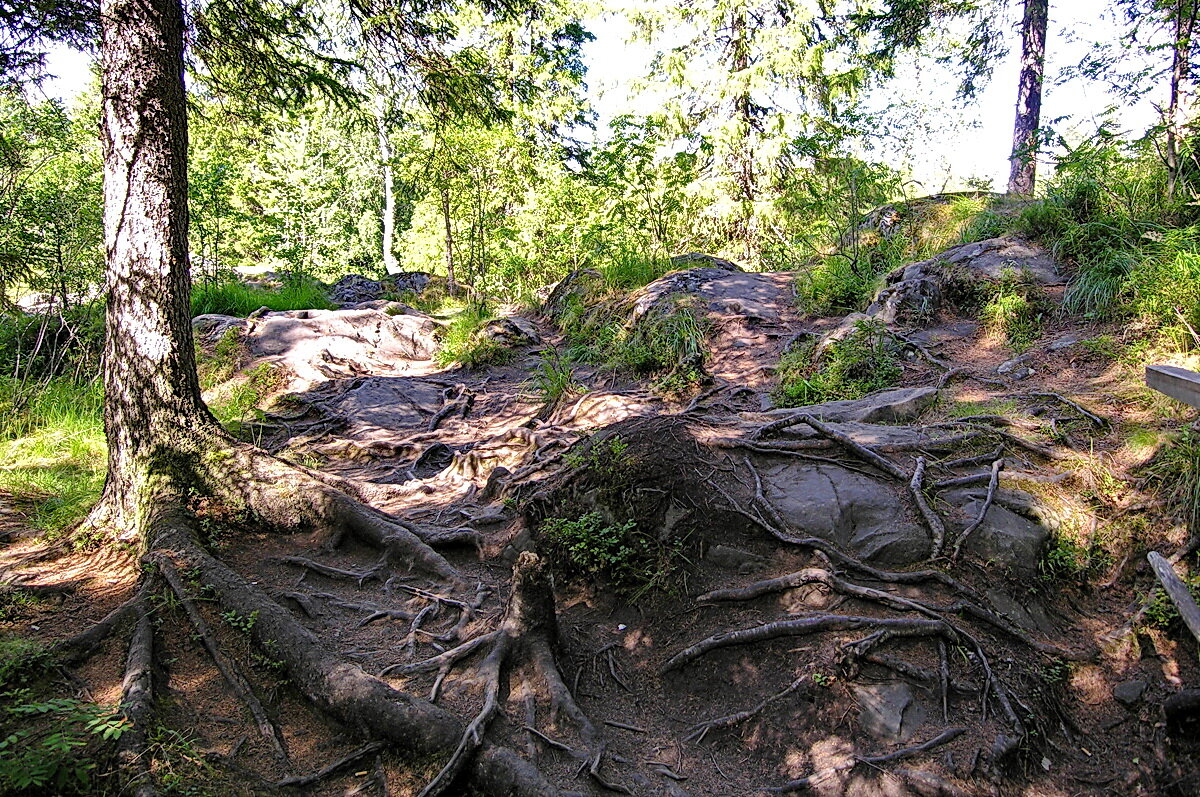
(857,512)
(1005,539)
(888,710)
(329,344)
(888,406)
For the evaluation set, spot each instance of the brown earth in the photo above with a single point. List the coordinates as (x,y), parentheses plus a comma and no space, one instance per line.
(717,497)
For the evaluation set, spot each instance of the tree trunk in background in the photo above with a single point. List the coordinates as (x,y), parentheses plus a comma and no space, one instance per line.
(389,188)
(1023,161)
(743,112)
(451,283)
(152,395)
(1183,27)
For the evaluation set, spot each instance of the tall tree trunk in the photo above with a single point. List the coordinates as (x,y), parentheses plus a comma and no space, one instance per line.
(152,394)
(743,111)
(1184,24)
(389,187)
(1023,162)
(451,283)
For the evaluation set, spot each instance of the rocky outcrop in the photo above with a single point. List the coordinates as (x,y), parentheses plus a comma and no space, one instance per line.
(913,293)
(354,289)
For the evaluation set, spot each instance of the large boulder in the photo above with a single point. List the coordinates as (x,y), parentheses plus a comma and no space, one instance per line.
(354,289)
(913,293)
(324,344)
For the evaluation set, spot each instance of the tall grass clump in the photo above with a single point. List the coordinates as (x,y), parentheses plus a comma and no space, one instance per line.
(860,363)
(462,344)
(628,270)
(52,450)
(235,298)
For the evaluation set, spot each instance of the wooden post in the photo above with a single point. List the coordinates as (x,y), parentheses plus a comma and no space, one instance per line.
(1178,383)
(1177,591)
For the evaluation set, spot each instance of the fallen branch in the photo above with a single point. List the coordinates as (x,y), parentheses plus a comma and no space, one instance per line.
(698,732)
(1091,416)
(1177,591)
(332,769)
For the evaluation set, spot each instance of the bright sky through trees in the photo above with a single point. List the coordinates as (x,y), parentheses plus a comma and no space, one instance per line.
(957,144)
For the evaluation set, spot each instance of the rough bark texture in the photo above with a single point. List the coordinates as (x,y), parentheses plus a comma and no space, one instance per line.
(1029,98)
(151,390)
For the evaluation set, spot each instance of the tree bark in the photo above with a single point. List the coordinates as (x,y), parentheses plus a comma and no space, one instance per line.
(1023,161)
(451,283)
(152,394)
(1183,27)
(389,187)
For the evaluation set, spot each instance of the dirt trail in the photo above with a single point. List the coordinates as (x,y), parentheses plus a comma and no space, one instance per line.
(789,535)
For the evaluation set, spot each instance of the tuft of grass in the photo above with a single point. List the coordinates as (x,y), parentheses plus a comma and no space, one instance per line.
(462,344)
(52,451)
(1014,310)
(850,368)
(235,298)
(238,404)
(220,364)
(1174,471)
(628,270)
(832,287)
(554,379)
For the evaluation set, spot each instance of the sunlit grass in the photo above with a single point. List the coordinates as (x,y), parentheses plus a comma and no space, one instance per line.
(239,299)
(52,451)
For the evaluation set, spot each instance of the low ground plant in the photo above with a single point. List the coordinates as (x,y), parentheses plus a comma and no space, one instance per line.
(860,363)
(461,342)
(1013,310)
(236,298)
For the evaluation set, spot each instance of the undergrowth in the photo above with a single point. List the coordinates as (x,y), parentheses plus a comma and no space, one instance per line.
(1014,309)
(52,451)
(236,298)
(860,363)
(461,342)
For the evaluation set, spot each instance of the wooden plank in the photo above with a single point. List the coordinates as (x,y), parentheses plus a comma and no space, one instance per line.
(1178,383)
(1177,591)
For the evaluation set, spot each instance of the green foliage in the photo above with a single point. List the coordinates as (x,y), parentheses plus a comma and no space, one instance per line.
(1174,473)
(554,378)
(21,659)
(632,562)
(238,402)
(461,342)
(236,298)
(45,742)
(1013,310)
(1161,613)
(833,287)
(860,363)
(243,623)
(1065,558)
(52,450)
(221,362)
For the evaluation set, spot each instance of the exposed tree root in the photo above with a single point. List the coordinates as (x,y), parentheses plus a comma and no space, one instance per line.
(818,778)
(297,781)
(341,689)
(228,668)
(78,648)
(993,483)
(137,703)
(698,732)
(937,529)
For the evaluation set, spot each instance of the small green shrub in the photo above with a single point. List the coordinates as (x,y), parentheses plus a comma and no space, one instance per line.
(222,362)
(43,746)
(1066,559)
(860,363)
(832,287)
(238,405)
(1161,613)
(462,344)
(632,562)
(1014,310)
(554,378)
(20,659)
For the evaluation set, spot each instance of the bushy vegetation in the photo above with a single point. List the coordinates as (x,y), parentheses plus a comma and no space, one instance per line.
(52,451)
(859,363)
(237,298)
(1013,310)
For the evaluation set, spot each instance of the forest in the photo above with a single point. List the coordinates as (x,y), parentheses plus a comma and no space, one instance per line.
(387,410)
